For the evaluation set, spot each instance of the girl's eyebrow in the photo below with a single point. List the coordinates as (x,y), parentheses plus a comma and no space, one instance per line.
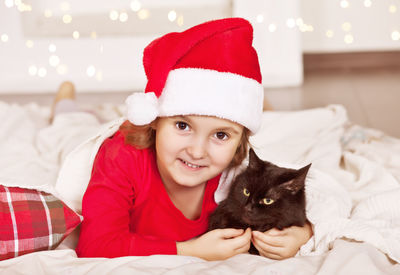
(222,129)
(181,117)
(228,129)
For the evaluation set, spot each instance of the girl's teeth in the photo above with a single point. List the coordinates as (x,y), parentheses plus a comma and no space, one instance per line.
(191,165)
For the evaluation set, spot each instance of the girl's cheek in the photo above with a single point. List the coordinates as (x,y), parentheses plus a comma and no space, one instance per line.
(224,156)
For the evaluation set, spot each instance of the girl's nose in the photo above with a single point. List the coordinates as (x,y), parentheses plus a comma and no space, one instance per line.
(197,149)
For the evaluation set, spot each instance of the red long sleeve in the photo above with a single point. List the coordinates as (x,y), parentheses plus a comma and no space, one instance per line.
(126,209)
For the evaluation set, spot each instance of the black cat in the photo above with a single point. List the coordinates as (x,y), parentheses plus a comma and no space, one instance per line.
(262,197)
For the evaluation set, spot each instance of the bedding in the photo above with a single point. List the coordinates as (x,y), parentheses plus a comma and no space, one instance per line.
(354,190)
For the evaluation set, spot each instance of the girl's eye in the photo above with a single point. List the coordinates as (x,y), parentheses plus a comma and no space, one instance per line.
(267,201)
(182,125)
(221,135)
(246,192)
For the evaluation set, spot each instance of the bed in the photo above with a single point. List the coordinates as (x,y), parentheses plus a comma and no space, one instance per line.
(354,190)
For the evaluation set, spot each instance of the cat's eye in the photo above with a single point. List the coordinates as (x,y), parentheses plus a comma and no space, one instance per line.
(267,201)
(246,192)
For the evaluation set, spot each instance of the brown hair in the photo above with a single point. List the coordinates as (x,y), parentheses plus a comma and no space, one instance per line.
(144,136)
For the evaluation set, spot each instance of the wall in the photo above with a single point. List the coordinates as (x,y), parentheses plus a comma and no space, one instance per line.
(101,54)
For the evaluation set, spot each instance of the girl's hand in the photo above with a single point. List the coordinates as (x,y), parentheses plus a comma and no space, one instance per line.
(281,244)
(218,244)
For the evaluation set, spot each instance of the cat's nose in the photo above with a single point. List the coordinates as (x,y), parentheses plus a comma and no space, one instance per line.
(248,208)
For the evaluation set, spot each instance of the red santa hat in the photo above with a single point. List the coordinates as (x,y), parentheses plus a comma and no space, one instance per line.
(210,69)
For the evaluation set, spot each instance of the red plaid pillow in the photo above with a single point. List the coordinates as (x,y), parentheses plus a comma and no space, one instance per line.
(31,221)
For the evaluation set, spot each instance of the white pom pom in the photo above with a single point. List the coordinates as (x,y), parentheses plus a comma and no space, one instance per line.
(142,108)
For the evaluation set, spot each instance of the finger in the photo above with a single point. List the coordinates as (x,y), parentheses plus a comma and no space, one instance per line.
(276,232)
(240,241)
(243,249)
(276,241)
(267,253)
(272,256)
(247,240)
(267,248)
(228,233)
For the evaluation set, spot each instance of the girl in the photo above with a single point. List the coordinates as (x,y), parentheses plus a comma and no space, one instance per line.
(153,182)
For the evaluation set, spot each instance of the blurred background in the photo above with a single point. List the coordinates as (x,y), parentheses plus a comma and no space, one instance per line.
(312,52)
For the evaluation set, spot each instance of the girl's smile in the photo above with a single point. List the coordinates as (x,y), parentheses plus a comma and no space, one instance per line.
(192,166)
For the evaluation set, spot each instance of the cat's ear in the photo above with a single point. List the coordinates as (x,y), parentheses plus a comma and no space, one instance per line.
(254,160)
(293,185)
(297,183)
(302,173)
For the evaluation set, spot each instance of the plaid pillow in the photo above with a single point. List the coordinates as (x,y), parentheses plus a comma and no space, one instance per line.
(31,221)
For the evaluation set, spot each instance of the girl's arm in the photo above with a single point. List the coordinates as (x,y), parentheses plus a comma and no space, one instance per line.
(105,228)
(281,244)
(106,208)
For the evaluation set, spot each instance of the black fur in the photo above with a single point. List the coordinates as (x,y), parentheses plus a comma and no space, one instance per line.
(264,182)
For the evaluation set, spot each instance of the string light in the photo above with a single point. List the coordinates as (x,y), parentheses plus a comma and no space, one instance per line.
(299,22)
(75,35)
(329,33)
(4,37)
(346,26)
(135,5)
(42,72)
(65,6)
(32,70)
(303,27)
(114,15)
(348,39)
(180,20)
(143,14)
(99,76)
(344,4)
(272,27)
(93,35)
(91,71)
(367,3)
(22,7)
(260,18)
(123,17)
(395,35)
(172,16)
(54,60)
(29,43)
(48,13)
(392,9)
(9,3)
(62,69)
(291,23)
(67,18)
(52,48)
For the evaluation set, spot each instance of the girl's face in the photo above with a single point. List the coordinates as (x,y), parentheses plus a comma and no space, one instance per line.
(193,149)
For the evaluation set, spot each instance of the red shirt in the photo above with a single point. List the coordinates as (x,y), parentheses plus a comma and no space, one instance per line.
(126,209)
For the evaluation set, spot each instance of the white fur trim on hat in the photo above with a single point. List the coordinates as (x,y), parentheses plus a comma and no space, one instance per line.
(190,91)
(142,108)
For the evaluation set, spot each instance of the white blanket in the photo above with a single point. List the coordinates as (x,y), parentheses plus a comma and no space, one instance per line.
(353,190)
